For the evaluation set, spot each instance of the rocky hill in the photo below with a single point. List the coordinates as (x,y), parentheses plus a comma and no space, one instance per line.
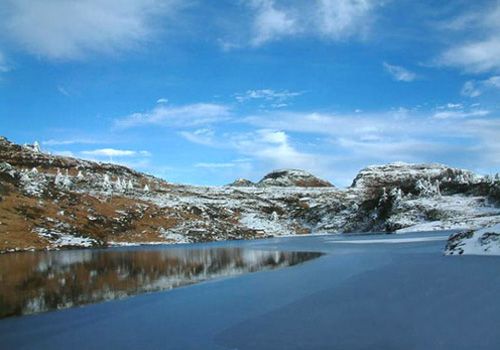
(292,177)
(49,201)
(242,183)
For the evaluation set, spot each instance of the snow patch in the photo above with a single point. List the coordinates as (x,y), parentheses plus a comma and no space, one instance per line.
(485,241)
(62,239)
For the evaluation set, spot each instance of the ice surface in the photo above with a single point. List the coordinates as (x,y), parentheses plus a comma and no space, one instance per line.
(373,296)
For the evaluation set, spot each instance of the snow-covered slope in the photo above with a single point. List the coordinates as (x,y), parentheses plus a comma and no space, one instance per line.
(50,201)
(485,241)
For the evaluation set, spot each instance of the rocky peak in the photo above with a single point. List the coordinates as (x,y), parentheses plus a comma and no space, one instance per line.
(292,177)
(242,183)
(35,147)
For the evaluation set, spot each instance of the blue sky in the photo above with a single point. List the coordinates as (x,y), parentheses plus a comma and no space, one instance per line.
(204,92)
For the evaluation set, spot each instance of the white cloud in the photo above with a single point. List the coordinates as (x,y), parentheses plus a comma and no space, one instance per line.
(475,88)
(278,97)
(214,165)
(454,114)
(338,19)
(3,64)
(397,123)
(388,149)
(274,149)
(62,30)
(178,116)
(53,142)
(271,148)
(470,89)
(451,106)
(411,135)
(111,152)
(474,57)
(162,100)
(331,123)
(399,73)
(200,136)
(270,23)
(479,50)
(330,19)
(265,149)
(487,145)
(65,153)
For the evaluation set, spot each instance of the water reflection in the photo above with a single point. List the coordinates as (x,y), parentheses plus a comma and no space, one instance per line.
(42,281)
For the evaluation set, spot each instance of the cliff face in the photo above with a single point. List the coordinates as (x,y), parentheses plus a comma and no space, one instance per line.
(49,201)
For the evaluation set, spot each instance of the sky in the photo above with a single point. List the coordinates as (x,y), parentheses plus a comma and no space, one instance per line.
(204,92)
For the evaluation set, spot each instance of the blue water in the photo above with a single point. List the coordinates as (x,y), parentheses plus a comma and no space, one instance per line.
(356,296)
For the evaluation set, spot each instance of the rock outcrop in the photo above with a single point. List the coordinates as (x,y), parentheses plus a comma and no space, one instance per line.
(425,179)
(292,178)
(242,183)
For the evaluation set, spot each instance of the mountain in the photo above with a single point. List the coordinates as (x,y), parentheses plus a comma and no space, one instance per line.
(49,202)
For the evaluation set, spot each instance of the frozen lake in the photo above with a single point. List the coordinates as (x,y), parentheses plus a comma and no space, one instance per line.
(365,292)
(34,282)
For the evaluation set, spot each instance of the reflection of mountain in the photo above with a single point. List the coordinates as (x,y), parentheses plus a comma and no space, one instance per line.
(38,282)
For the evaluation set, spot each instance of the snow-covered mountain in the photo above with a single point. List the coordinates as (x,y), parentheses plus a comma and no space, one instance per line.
(49,201)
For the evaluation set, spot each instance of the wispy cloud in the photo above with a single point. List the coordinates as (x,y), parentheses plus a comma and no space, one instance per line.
(328,19)
(271,23)
(264,149)
(475,88)
(63,91)
(362,138)
(268,98)
(112,152)
(214,165)
(53,142)
(479,49)
(4,67)
(179,116)
(340,19)
(63,30)
(275,96)
(399,73)
(275,150)
(438,135)
(456,114)
(475,57)
(200,136)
